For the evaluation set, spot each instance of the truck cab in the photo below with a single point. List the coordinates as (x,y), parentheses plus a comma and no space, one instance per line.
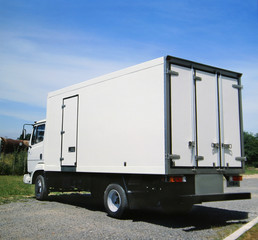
(35,151)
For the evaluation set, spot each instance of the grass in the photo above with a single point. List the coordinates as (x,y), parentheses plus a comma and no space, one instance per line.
(12,188)
(251,170)
(251,234)
(224,231)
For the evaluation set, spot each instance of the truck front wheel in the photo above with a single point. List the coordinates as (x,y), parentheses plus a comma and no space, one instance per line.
(41,191)
(115,200)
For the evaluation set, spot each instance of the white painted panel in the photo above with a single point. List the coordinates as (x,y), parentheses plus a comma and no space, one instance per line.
(182,115)
(230,122)
(121,124)
(52,141)
(121,120)
(69,136)
(34,155)
(207,118)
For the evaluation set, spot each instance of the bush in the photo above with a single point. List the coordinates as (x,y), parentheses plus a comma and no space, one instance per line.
(251,148)
(13,163)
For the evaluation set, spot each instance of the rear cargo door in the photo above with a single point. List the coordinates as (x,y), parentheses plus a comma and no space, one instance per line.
(206,119)
(194,118)
(69,131)
(230,121)
(182,122)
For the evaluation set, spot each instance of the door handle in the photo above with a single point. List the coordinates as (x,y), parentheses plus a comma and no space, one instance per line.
(191,144)
(226,146)
(71,149)
(215,145)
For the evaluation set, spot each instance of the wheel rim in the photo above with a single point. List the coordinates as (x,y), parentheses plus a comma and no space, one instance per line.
(39,186)
(113,200)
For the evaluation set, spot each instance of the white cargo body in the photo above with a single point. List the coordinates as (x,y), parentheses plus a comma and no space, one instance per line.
(118,123)
(115,123)
(169,119)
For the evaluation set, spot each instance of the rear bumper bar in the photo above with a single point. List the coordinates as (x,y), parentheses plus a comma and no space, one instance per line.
(215,197)
(142,199)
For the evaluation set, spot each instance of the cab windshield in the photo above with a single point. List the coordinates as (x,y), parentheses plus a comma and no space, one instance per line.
(38,134)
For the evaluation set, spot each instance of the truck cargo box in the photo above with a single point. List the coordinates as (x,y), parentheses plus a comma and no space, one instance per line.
(158,117)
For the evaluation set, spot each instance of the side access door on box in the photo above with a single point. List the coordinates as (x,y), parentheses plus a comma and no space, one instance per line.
(69,133)
(203,118)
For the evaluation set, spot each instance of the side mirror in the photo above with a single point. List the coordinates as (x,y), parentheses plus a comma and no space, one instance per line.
(23,134)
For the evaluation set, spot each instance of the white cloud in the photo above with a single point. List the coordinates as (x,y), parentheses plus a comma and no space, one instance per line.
(29,69)
(29,81)
(28,116)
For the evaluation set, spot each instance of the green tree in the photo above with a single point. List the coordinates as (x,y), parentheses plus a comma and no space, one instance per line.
(251,148)
(27,137)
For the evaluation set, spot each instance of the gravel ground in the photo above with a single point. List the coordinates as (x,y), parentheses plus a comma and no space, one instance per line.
(76,217)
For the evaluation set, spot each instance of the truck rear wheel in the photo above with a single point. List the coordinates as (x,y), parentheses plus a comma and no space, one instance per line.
(41,191)
(115,200)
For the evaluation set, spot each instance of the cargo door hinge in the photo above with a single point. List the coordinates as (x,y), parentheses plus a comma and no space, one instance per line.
(63,106)
(241,159)
(173,156)
(237,86)
(199,158)
(196,78)
(172,73)
(62,132)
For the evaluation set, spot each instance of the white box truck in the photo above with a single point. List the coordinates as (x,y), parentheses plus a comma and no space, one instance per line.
(162,133)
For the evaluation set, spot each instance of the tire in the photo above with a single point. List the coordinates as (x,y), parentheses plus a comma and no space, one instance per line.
(41,191)
(115,201)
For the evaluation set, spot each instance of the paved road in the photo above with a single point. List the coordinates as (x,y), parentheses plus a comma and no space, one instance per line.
(76,217)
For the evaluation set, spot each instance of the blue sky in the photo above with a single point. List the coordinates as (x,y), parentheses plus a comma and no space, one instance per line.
(47,45)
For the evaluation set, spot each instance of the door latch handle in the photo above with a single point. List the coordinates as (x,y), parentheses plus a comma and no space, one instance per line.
(215,145)
(191,144)
(71,149)
(226,146)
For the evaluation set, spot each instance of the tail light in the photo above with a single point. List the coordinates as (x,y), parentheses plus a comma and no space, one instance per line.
(235,178)
(177,179)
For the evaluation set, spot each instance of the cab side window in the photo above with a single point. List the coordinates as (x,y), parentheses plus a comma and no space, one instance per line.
(38,134)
